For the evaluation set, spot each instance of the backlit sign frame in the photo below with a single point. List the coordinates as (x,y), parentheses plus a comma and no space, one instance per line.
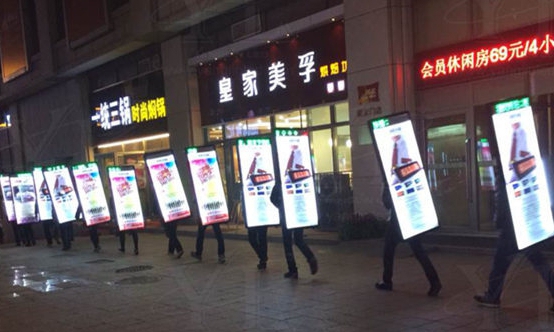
(402,167)
(523,170)
(208,185)
(7,197)
(168,187)
(296,174)
(44,201)
(24,198)
(125,197)
(91,193)
(258,176)
(62,192)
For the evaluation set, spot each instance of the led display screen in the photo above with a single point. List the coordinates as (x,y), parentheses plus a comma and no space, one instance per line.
(91,193)
(208,186)
(126,199)
(24,198)
(7,197)
(297,183)
(167,185)
(258,178)
(62,192)
(402,166)
(44,201)
(522,167)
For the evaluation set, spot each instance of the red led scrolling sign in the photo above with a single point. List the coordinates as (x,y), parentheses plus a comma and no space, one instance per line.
(483,59)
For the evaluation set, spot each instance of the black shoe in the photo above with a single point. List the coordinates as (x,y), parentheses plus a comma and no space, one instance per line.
(435,289)
(121,249)
(221,259)
(180,253)
(66,248)
(313,265)
(262,266)
(97,249)
(485,301)
(196,255)
(383,286)
(136,251)
(291,275)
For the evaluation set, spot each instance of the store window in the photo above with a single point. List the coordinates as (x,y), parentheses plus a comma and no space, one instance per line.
(341,112)
(322,146)
(214,134)
(294,119)
(344,144)
(318,116)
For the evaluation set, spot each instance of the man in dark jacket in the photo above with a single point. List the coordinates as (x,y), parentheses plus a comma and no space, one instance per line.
(506,250)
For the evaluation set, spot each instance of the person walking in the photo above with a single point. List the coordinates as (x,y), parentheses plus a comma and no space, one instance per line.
(174,245)
(506,250)
(200,242)
(290,235)
(134,235)
(392,239)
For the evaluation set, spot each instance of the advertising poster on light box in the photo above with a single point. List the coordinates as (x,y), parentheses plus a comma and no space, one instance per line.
(7,197)
(44,201)
(91,193)
(396,146)
(208,186)
(522,167)
(167,185)
(24,201)
(297,182)
(62,192)
(258,178)
(126,199)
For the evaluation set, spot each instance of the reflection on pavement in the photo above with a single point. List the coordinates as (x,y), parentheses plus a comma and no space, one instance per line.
(42,281)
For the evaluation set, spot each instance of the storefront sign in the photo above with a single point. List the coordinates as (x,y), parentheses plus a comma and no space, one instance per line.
(91,193)
(522,167)
(401,163)
(297,182)
(208,186)
(167,185)
(7,197)
(125,196)
(62,192)
(506,52)
(258,178)
(44,201)
(24,199)
(120,112)
(304,70)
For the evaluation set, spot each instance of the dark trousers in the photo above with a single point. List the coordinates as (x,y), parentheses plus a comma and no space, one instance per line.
(171,233)
(296,235)
(28,234)
(218,236)
(50,231)
(1,235)
(66,232)
(506,249)
(133,234)
(16,233)
(392,238)
(94,238)
(257,236)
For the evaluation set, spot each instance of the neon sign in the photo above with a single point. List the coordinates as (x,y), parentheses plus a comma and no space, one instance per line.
(120,112)
(475,60)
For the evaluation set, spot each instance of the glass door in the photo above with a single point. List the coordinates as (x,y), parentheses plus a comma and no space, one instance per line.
(448,170)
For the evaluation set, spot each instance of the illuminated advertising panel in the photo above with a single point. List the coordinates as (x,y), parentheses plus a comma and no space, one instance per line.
(7,197)
(297,182)
(24,198)
(44,201)
(258,178)
(522,167)
(62,192)
(126,199)
(208,186)
(167,185)
(91,193)
(401,163)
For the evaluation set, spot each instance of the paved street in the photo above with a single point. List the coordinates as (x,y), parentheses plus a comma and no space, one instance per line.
(45,289)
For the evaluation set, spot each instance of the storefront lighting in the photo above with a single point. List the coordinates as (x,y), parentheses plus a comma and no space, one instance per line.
(131,141)
(330,142)
(333,19)
(341,85)
(348,143)
(330,87)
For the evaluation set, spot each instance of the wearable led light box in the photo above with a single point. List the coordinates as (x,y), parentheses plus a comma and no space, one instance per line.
(62,192)
(7,197)
(44,201)
(125,196)
(91,193)
(24,198)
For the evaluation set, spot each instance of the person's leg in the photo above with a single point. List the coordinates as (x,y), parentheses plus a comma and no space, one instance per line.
(66,237)
(170,246)
(25,234)
(427,265)
(176,244)
(220,242)
(389,248)
(121,236)
(253,240)
(505,252)
(134,234)
(56,231)
(16,233)
(298,235)
(262,240)
(1,235)
(541,265)
(46,224)
(32,235)
(289,255)
(93,232)
(199,242)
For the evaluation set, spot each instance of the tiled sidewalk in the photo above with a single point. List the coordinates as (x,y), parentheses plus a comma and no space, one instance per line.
(45,289)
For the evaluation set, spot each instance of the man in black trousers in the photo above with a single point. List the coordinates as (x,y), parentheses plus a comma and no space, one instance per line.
(392,238)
